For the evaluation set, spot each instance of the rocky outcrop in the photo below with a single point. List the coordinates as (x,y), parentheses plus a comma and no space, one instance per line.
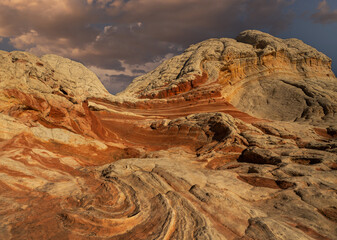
(173,157)
(265,76)
(50,91)
(49,74)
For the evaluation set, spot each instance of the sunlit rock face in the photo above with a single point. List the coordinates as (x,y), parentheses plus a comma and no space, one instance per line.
(268,77)
(233,139)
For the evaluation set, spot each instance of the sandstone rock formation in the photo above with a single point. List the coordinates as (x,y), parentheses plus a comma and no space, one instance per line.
(233,139)
(259,74)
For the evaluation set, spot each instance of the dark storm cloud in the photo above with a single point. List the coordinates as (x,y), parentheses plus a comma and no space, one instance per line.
(5,44)
(325,14)
(116,83)
(138,71)
(124,35)
(103,32)
(272,15)
(144,29)
(64,19)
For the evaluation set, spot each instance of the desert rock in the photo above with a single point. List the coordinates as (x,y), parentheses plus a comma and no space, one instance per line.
(233,139)
(267,77)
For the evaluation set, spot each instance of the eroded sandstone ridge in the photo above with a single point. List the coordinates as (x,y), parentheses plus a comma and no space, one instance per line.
(233,139)
(256,72)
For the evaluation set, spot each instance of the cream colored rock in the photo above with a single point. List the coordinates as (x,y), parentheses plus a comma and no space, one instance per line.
(47,75)
(10,127)
(65,137)
(76,78)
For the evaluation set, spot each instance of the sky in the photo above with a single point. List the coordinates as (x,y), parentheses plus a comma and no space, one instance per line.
(122,39)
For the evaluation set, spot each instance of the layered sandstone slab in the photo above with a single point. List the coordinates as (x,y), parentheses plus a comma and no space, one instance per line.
(173,157)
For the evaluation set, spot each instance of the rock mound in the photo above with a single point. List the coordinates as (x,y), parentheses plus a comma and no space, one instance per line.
(265,76)
(50,91)
(49,74)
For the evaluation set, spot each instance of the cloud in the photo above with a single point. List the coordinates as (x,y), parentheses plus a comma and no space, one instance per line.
(130,36)
(116,83)
(260,12)
(324,14)
(116,80)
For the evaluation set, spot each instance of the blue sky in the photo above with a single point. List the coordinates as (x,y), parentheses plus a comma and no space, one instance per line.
(121,39)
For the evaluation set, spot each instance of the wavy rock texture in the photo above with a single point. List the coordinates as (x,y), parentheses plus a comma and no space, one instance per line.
(233,139)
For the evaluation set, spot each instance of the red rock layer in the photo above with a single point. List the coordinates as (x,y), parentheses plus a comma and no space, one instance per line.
(65,194)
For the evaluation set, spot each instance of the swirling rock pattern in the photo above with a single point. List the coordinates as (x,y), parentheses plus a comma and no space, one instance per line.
(178,155)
